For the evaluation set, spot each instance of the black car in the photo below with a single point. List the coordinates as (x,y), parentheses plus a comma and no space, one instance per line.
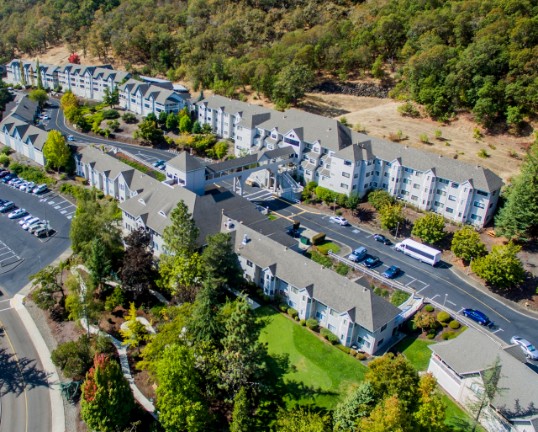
(371,261)
(391,272)
(382,239)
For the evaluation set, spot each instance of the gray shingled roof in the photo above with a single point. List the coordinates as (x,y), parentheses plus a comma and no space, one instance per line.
(184,162)
(474,352)
(367,147)
(369,310)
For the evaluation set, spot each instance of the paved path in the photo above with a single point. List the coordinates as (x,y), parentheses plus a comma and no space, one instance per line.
(122,353)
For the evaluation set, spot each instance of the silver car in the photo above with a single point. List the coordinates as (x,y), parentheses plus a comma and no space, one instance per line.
(528,348)
(31,223)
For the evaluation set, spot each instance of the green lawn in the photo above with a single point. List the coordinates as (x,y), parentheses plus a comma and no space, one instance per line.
(328,246)
(416,351)
(320,373)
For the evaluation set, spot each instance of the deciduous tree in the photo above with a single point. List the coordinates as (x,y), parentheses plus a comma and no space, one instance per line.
(179,399)
(56,150)
(430,228)
(431,413)
(466,244)
(424,320)
(149,132)
(39,96)
(106,401)
(292,82)
(301,420)
(501,268)
(111,98)
(138,273)
(389,415)
(390,216)
(181,275)
(134,332)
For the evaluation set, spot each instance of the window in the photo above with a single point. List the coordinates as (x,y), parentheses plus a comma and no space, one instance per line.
(414,197)
(449,210)
(406,181)
(344,186)
(455,185)
(451,198)
(332,328)
(416,186)
(441,180)
(346,175)
(367,174)
(476,218)
(294,290)
(249,263)
(383,328)
(356,176)
(333,313)
(377,173)
(479,204)
(347,163)
(438,204)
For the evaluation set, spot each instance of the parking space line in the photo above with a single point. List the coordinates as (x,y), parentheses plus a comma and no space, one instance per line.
(409,283)
(6,309)
(498,330)
(451,302)
(422,289)
(63,211)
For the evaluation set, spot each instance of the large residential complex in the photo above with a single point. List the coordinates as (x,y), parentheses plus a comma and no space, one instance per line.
(269,257)
(344,161)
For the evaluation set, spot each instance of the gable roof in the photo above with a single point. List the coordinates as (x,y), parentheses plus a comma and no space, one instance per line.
(473,352)
(328,287)
(184,162)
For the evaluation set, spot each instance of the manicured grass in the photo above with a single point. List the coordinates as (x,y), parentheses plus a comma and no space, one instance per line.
(320,373)
(416,351)
(328,246)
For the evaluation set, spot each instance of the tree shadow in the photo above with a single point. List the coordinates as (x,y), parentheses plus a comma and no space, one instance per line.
(365,214)
(15,375)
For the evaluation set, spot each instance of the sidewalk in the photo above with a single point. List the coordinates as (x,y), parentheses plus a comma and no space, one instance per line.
(56,402)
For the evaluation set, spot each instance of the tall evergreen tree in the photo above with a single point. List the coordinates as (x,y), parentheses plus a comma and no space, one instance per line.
(204,325)
(358,404)
(181,235)
(23,76)
(39,77)
(220,259)
(98,262)
(518,218)
(242,417)
(243,355)
(107,400)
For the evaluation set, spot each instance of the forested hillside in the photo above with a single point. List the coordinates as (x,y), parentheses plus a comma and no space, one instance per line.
(479,55)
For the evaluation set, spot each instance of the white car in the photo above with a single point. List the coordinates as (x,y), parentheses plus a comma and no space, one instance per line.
(40,189)
(25,219)
(339,220)
(32,222)
(70,138)
(27,187)
(528,348)
(17,213)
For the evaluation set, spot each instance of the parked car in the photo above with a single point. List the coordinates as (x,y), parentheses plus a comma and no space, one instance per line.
(44,231)
(15,214)
(158,163)
(70,138)
(25,219)
(382,239)
(477,316)
(339,220)
(42,188)
(392,272)
(4,174)
(528,348)
(31,223)
(27,187)
(8,177)
(7,206)
(15,181)
(36,227)
(371,261)
(358,254)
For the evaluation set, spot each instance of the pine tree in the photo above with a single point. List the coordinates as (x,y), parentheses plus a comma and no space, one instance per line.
(39,77)
(241,417)
(23,76)
(204,325)
(181,235)
(98,262)
(106,401)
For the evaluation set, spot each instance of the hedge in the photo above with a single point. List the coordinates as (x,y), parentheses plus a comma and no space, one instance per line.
(318,238)
(283,307)
(312,324)
(360,356)
(330,336)
(344,348)
(292,312)
(428,308)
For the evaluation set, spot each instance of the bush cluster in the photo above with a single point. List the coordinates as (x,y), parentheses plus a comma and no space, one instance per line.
(330,336)
(293,313)
(312,324)
(454,324)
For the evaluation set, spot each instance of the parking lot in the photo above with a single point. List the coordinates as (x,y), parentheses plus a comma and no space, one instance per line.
(23,253)
(59,203)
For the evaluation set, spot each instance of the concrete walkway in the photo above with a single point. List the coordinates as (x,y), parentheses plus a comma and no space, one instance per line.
(56,402)
(122,353)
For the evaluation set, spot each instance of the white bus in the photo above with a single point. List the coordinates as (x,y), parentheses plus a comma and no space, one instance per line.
(419,251)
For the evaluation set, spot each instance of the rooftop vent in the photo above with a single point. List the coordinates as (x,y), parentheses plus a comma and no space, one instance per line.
(245,240)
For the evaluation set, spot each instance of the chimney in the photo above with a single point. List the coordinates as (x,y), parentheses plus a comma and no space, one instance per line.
(245,240)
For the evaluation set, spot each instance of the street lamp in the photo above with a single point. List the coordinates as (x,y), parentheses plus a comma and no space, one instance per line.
(397,228)
(444,303)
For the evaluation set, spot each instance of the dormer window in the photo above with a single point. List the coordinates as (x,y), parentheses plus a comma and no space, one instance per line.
(141,201)
(162,213)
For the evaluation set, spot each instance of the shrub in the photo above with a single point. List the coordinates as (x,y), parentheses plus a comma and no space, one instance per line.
(408,109)
(412,326)
(424,138)
(115,299)
(399,297)
(6,150)
(74,358)
(312,324)
(443,317)
(344,348)
(380,198)
(330,336)
(454,324)
(353,352)
(318,238)
(321,259)
(283,307)
(342,269)
(266,298)
(430,335)
(129,118)
(448,335)
(483,154)
(292,313)
(110,114)
(438,134)
(4,160)
(428,308)
(303,322)
(361,356)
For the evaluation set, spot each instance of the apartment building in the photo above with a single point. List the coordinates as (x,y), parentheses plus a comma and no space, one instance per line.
(347,162)
(90,82)
(348,309)
(19,71)
(459,366)
(17,130)
(144,98)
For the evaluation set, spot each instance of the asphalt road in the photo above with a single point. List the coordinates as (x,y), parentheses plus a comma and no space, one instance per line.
(33,253)
(441,283)
(24,395)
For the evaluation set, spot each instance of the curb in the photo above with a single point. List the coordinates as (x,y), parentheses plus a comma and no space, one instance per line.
(56,402)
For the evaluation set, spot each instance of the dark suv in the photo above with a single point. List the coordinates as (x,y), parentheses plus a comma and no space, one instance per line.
(382,239)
